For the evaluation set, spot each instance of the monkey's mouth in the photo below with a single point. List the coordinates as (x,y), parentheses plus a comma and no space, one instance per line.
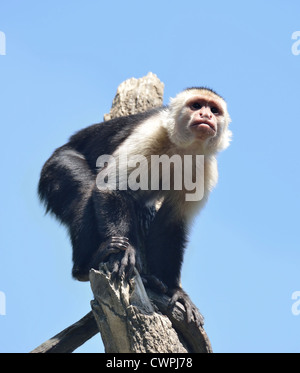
(201,124)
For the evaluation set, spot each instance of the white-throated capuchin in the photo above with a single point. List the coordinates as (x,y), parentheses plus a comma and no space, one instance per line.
(104,223)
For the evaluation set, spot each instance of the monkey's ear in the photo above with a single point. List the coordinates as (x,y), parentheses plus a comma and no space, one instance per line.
(177,103)
(172,101)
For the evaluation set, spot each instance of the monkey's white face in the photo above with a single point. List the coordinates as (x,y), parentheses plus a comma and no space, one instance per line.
(199,117)
(205,114)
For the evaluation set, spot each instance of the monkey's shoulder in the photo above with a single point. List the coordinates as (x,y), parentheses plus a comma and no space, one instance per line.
(107,136)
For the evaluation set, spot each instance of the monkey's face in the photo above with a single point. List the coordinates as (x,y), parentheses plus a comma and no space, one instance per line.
(199,117)
(205,117)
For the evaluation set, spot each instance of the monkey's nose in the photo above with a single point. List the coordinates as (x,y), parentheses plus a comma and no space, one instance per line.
(205,113)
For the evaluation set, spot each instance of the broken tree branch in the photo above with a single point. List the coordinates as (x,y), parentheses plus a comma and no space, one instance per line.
(70,338)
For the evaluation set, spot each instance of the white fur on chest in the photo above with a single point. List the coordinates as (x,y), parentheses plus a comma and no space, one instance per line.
(151,139)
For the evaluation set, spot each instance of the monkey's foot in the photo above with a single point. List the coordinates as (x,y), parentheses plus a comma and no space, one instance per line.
(192,312)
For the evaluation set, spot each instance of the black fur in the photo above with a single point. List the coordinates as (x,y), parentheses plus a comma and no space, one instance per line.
(67,187)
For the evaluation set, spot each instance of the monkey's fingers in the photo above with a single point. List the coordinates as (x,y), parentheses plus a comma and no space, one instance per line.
(113,246)
(192,312)
(120,238)
(189,312)
(174,299)
(107,252)
(114,265)
(199,319)
(117,245)
(127,263)
(122,242)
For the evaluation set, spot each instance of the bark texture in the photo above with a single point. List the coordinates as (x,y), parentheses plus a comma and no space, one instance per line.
(131,320)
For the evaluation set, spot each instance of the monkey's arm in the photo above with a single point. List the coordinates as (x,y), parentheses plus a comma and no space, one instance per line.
(117,223)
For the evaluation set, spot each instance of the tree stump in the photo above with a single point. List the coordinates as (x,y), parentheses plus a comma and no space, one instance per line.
(136,96)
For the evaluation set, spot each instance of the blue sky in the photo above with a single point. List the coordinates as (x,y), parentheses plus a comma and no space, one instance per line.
(64,61)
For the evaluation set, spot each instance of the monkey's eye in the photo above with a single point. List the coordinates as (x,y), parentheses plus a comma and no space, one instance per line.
(196,106)
(214,110)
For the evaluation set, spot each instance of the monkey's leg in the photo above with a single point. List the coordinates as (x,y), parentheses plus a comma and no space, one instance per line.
(165,249)
(101,225)
(66,186)
(165,246)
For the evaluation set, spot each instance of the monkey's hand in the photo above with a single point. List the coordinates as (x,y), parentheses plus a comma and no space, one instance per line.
(121,257)
(192,312)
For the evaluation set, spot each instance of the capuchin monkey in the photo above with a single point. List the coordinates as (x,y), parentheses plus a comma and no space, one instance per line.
(104,222)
